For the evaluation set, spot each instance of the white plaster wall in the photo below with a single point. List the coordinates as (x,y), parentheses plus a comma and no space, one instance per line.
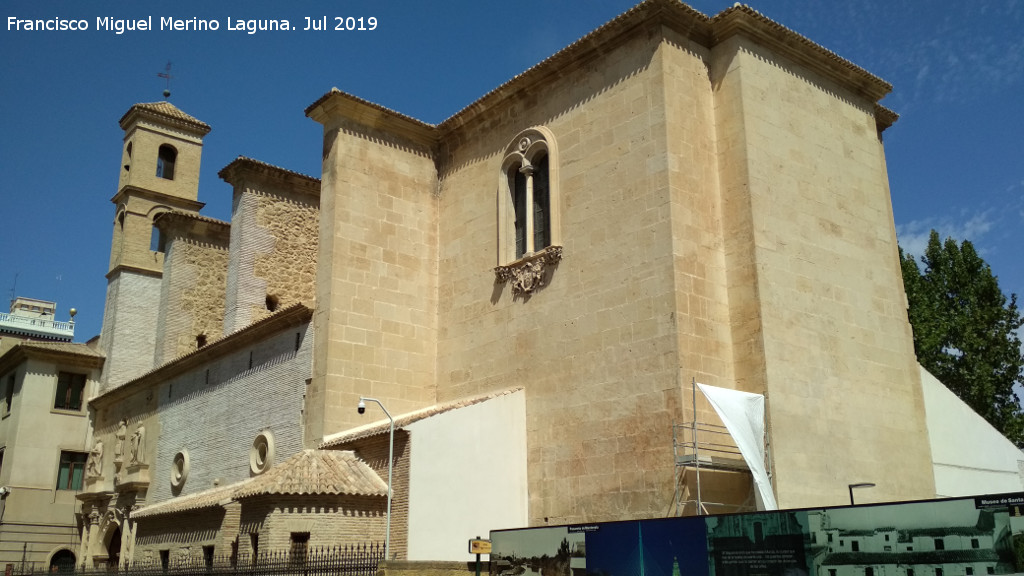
(969,456)
(467,476)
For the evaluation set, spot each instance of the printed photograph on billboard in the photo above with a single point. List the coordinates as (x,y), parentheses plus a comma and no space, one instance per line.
(979,536)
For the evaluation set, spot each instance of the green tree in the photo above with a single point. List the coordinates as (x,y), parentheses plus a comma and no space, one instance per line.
(965,330)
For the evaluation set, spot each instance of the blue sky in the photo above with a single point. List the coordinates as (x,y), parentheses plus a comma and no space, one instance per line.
(955,157)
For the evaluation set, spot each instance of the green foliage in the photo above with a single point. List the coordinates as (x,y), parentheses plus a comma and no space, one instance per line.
(965,330)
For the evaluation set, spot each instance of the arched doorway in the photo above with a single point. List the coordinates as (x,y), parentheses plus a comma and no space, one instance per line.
(63,562)
(114,549)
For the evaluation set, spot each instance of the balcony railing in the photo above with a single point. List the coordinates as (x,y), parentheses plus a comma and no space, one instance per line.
(41,327)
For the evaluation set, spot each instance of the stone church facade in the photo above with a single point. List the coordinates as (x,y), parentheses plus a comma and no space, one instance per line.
(529,287)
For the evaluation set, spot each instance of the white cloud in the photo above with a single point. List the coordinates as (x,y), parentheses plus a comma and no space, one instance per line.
(913,236)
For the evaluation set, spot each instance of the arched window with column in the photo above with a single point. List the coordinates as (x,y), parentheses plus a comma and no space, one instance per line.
(529,235)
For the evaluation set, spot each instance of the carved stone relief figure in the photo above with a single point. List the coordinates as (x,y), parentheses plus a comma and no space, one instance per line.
(137,449)
(122,431)
(94,465)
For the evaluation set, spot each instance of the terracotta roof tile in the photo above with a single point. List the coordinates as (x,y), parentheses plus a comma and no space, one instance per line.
(206,499)
(312,472)
(168,111)
(318,472)
(62,347)
(383,426)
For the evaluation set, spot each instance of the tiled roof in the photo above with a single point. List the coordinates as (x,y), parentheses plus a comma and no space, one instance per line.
(62,348)
(317,472)
(206,499)
(71,352)
(311,472)
(286,317)
(167,111)
(383,426)
(225,172)
(177,214)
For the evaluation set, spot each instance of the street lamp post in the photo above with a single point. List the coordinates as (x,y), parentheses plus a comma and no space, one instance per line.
(391,456)
(859,485)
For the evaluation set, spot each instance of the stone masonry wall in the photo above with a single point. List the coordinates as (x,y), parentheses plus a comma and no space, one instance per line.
(330,520)
(376,314)
(290,269)
(192,297)
(274,248)
(596,349)
(183,535)
(820,320)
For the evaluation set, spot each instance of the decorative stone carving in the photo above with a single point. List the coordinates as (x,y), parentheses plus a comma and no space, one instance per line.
(122,431)
(137,449)
(527,274)
(94,465)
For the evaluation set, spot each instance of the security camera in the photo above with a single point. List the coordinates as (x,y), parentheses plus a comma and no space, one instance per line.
(362,406)
(4,491)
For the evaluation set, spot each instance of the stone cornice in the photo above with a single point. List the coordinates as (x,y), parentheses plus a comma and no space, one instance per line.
(158,197)
(884,117)
(194,226)
(134,269)
(250,335)
(705,31)
(745,21)
(65,353)
(243,170)
(164,114)
(338,104)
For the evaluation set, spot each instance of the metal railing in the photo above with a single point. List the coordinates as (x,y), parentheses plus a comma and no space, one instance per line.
(351,560)
(37,324)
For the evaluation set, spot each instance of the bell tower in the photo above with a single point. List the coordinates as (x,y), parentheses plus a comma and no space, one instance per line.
(159,173)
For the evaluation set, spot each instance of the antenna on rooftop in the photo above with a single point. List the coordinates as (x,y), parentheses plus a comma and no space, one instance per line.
(166,75)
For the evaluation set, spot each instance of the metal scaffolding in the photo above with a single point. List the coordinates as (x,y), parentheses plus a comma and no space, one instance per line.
(703,446)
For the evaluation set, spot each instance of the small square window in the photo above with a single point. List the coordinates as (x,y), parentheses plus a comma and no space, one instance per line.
(299,547)
(70,389)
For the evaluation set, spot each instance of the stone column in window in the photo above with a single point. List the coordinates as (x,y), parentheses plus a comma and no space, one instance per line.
(527,170)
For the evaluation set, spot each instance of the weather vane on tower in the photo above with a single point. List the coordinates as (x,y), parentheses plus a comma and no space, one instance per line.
(166,75)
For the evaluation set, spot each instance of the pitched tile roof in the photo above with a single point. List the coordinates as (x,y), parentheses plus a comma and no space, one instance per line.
(206,499)
(311,472)
(383,426)
(319,472)
(166,110)
(62,347)
(72,352)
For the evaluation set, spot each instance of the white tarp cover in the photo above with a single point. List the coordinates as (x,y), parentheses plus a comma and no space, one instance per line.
(743,415)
